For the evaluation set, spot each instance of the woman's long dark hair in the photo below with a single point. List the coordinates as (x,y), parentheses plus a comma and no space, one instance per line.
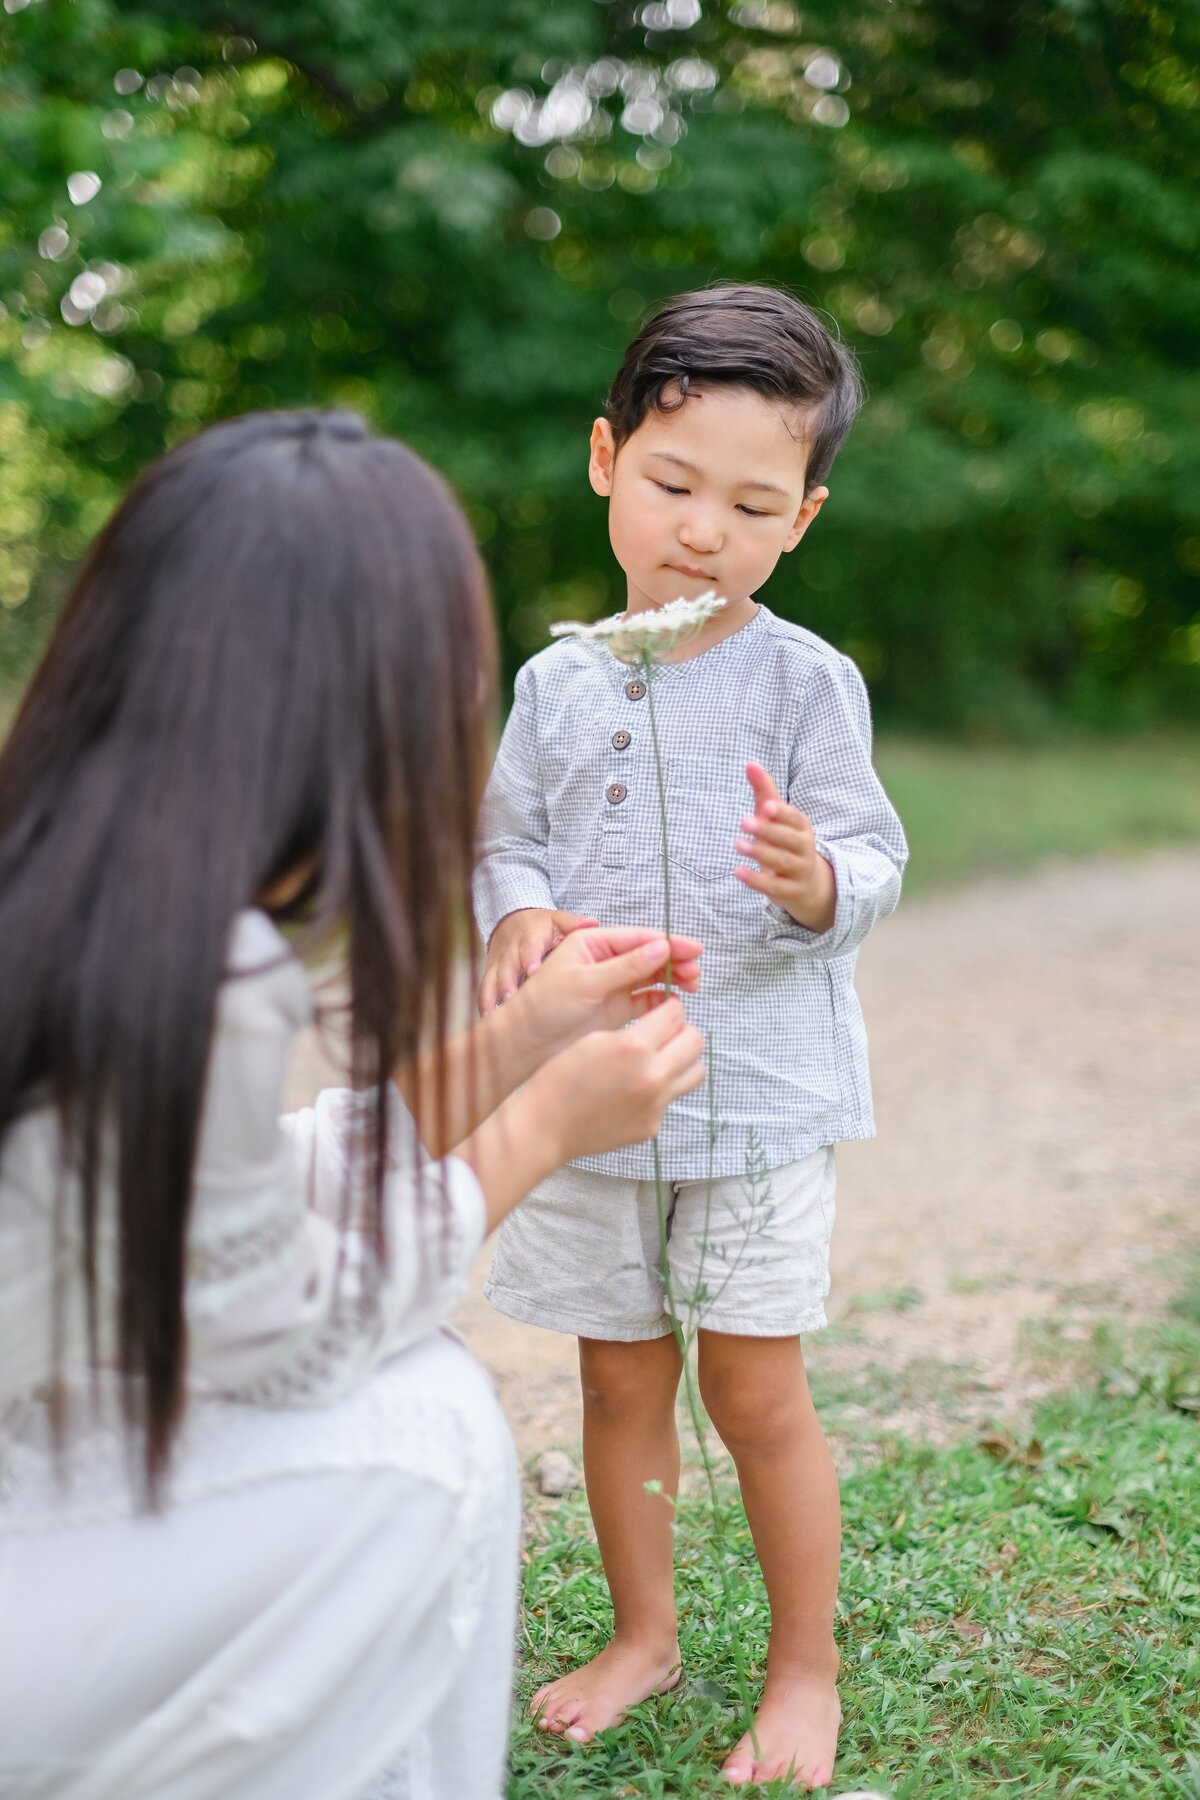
(278,656)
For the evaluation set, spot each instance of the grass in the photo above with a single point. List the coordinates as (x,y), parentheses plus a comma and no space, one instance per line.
(971,811)
(1016,1619)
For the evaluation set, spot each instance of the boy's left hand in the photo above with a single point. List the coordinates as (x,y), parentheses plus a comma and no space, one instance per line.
(791,871)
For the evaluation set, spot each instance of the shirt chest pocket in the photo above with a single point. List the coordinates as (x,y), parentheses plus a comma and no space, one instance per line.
(705,806)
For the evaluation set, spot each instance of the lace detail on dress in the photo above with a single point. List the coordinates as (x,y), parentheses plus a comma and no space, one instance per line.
(344,1348)
(225,1445)
(222,1258)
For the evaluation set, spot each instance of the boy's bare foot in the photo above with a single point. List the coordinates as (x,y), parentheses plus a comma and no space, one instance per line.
(599,1694)
(797,1730)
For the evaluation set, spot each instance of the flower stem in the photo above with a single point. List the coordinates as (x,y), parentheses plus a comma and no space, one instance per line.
(648,670)
(685,1337)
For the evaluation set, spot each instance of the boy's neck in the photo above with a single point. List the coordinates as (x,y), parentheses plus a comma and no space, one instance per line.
(730,620)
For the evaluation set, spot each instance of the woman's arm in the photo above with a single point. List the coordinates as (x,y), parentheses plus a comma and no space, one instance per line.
(596,978)
(610,1088)
(286,1297)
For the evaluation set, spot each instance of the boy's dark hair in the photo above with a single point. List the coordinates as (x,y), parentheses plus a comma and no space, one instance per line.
(745,336)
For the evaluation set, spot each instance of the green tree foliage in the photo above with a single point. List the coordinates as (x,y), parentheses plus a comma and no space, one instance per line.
(452,217)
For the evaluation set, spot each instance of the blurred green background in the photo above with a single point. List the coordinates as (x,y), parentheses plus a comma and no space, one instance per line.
(453,216)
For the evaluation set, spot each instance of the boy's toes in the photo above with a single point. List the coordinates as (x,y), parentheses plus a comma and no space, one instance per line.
(738,1767)
(598,1695)
(545,1713)
(538,1701)
(580,1721)
(559,1714)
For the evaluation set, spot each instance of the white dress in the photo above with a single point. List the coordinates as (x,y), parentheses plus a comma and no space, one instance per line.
(324,1608)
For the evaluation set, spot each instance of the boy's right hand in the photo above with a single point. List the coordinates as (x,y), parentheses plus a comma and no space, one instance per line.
(612,1087)
(518,946)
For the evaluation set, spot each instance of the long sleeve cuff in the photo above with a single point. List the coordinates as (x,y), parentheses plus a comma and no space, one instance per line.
(499,889)
(868,887)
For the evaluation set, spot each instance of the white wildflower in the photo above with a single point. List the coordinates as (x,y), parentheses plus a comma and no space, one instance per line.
(646,636)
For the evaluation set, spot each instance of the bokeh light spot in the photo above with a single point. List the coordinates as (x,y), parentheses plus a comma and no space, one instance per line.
(83,186)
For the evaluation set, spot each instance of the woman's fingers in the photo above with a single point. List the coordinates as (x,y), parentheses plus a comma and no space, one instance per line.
(632,957)
(679,1062)
(644,998)
(612,1087)
(659,1026)
(677,1049)
(636,967)
(682,1061)
(607,941)
(625,957)
(687,1081)
(685,975)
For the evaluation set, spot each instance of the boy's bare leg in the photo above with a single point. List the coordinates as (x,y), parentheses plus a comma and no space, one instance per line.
(756,1393)
(629,1438)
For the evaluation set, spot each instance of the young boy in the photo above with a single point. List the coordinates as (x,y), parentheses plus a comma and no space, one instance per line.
(721,426)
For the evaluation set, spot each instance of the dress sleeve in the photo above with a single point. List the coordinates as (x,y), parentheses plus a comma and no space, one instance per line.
(434,1212)
(287,1301)
(514,827)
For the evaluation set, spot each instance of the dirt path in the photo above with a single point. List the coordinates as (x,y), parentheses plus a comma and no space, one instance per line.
(1036,1054)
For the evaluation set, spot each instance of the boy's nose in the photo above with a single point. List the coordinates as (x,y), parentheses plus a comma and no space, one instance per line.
(701,535)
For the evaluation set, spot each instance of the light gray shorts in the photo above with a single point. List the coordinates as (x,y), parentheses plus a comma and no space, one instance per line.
(748,1254)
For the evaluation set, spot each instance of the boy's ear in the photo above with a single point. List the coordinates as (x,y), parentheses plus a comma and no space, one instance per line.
(810,508)
(602,458)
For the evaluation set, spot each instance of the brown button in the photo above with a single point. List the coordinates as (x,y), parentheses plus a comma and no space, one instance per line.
(635,690)
(615,794)
(621,740)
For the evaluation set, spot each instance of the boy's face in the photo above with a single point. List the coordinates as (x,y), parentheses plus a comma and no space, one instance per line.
(709,496)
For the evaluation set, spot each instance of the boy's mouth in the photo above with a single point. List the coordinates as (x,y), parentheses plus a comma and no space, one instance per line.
(690,569)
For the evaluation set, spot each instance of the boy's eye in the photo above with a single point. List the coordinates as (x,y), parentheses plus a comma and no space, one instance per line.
(750,511)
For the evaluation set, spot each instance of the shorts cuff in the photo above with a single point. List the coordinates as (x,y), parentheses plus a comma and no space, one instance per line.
(531,1311)
(732,1324)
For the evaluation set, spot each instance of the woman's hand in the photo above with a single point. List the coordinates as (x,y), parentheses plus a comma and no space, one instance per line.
(613,1087)
(607,1089)
(595,978)
(602,977)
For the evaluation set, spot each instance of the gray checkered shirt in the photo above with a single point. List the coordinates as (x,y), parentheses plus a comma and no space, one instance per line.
(571,819)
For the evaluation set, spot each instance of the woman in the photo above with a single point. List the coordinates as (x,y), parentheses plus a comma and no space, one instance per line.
(257,1510)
